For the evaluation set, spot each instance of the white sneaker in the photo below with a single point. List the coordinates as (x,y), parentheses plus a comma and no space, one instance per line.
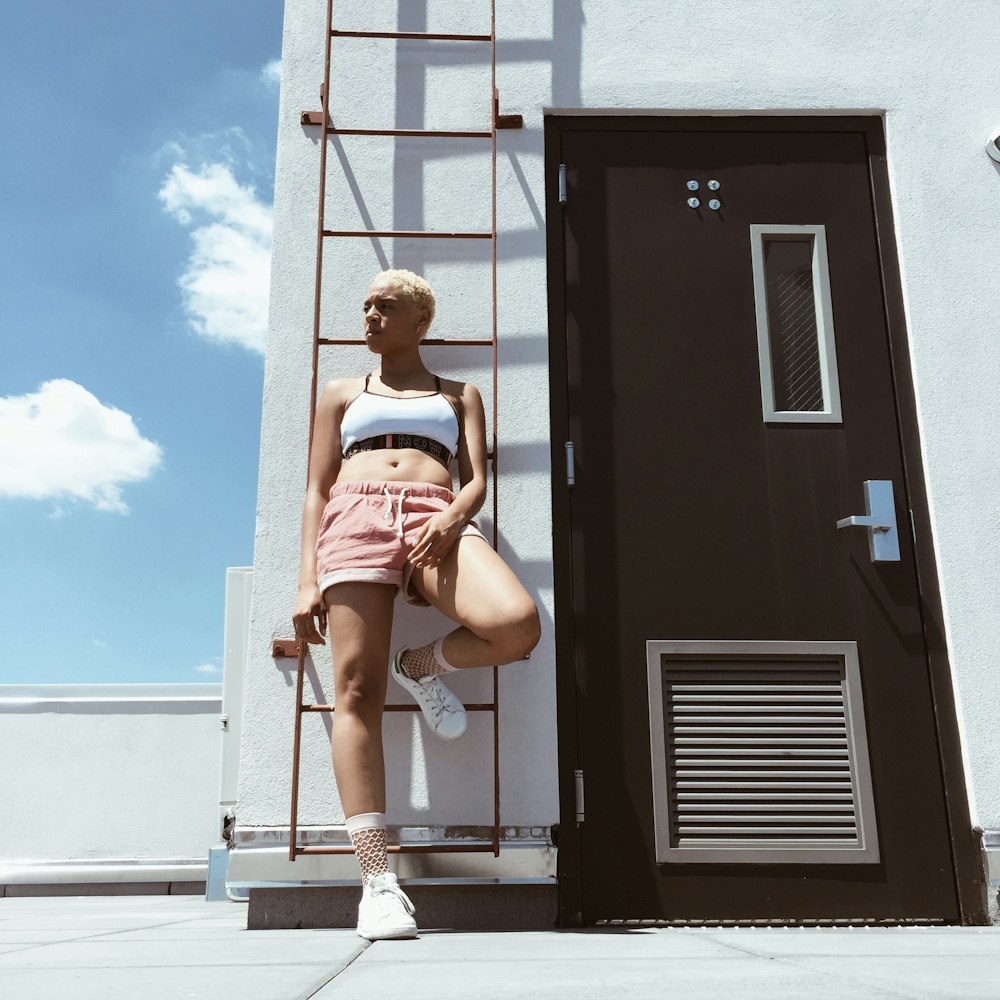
(385,911)
(444,713)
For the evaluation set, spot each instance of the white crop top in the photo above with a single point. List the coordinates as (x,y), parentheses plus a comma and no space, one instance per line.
(370,415)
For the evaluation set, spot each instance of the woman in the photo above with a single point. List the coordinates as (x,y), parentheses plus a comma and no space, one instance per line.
(379,517)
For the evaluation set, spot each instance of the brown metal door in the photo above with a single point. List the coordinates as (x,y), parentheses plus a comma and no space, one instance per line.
(694,518)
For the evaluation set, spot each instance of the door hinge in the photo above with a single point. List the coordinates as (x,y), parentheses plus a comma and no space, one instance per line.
(570,465)
(562,183)
(578,779)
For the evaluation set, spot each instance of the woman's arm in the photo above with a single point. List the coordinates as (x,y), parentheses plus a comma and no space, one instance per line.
(441,531)
(471,455)
(324,465)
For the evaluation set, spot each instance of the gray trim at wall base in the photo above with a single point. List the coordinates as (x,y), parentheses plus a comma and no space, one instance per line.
(115,871)
(495,907)
(103,889)
(263,866)
(269,837)
(991,853)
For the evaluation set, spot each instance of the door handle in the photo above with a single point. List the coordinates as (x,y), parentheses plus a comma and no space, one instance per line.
(879,519)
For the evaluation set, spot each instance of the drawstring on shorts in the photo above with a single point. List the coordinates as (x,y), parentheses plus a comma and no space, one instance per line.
(399,513)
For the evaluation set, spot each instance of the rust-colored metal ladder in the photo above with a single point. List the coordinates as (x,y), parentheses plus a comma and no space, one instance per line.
(322,119)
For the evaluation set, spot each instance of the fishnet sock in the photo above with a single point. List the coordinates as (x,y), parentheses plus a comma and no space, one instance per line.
(370,848)
(425,661)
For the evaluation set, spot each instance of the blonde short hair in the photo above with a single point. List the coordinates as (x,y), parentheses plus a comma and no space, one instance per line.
(415,287)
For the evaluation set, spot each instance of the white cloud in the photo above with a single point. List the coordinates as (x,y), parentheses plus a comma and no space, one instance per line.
(271,73)
(230,145)
(225,281)
(208,668)
(63,442)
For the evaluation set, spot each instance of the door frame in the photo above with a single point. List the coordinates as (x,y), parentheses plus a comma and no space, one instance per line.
(966,850)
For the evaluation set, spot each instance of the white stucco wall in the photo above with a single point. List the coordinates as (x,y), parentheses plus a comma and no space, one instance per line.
(98,775)
(928,67)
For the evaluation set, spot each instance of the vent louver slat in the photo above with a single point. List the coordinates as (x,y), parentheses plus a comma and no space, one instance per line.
(718,795)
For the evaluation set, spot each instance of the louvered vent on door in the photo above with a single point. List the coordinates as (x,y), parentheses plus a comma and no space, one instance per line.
(759,753)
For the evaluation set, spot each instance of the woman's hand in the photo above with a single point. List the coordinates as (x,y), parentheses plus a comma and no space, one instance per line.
(308,608)
(435,540)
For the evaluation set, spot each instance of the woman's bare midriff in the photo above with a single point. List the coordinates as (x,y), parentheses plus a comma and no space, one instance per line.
(395,465)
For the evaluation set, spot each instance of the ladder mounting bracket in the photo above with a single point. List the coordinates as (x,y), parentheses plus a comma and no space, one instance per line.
(315,117)
(505,121)
(281,648)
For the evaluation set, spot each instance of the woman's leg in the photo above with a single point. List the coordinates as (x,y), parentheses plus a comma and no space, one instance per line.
(359,617)
(498,620)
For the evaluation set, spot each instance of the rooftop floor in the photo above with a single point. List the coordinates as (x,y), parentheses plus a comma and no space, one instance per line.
(151,947)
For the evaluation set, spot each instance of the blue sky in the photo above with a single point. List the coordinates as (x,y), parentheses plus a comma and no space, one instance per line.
(136,187)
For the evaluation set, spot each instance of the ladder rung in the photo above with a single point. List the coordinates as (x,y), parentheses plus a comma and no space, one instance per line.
(408,234)
(453,341)
(410,133)
(401,849)
(401,708)
(424,35)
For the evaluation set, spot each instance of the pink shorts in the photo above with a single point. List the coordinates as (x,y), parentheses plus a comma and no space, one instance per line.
(369,528)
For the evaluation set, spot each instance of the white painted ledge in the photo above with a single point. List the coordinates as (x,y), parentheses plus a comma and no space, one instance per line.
(37,872)
(14,696)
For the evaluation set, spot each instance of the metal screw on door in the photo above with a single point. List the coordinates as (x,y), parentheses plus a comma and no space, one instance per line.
(879,519)
(713,185)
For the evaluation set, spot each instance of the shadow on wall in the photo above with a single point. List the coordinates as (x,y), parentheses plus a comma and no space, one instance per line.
(411,158)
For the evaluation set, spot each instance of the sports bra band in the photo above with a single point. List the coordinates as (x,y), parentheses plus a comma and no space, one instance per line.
(418,441)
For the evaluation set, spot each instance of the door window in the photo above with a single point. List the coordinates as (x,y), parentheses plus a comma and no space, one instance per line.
(795,338)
